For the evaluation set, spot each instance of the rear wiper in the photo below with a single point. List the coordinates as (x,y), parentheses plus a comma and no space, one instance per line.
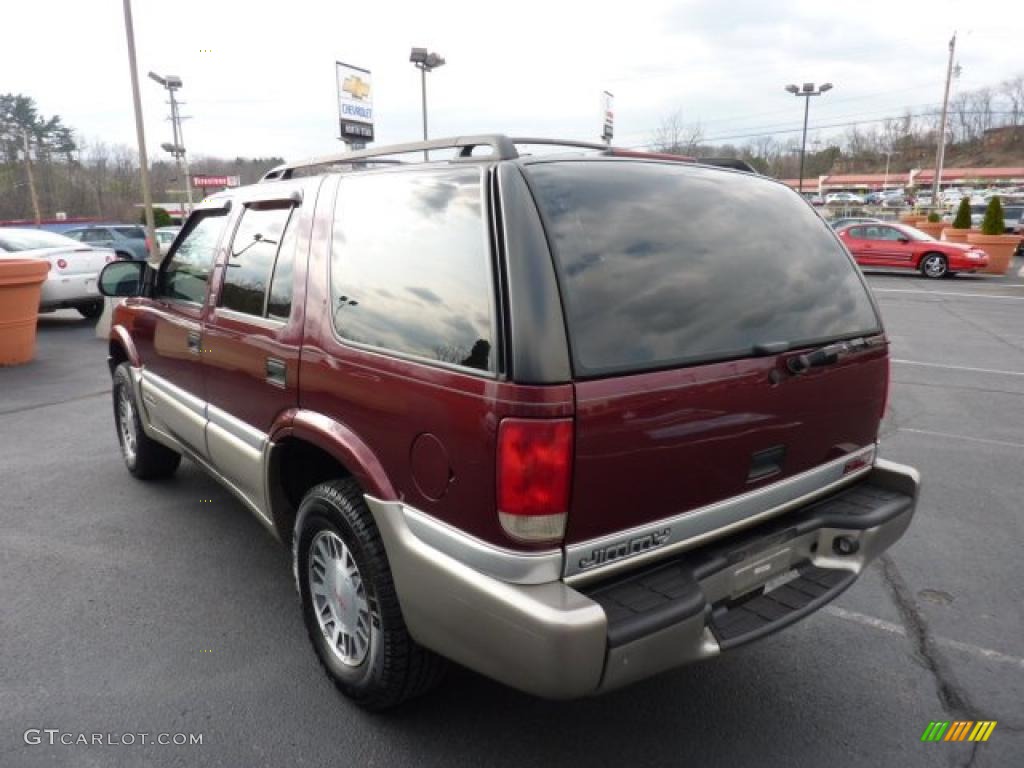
(826,355)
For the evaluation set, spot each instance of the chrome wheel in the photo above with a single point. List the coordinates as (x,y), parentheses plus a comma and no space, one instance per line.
(126,425)
(340,600)
(934,266)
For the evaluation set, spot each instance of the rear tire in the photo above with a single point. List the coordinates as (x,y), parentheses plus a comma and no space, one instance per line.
(349,603)
(934,265)
(145,457)
(92,310)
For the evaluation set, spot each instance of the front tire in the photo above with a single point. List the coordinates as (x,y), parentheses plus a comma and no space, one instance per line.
(934,265)
(92,310)
(145,457)
(349,603)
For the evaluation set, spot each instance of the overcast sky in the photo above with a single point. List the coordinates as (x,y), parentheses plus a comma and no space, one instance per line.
(259,76)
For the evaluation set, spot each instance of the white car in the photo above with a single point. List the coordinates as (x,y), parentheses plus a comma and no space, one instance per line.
(164,237)
(843,198)
(74,268)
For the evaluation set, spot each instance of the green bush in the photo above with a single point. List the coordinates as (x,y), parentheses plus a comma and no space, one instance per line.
(161,218)
(934,218)
(993,221)
(962,220)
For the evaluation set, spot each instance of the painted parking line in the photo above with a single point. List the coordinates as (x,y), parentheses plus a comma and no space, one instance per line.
(957,367)
(951,436)
(896,629)
(959,294)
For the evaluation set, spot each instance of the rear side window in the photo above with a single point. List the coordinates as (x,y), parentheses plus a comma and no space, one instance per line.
(410,265)
(254,250)
(135,233)
(664,265)
(185,275)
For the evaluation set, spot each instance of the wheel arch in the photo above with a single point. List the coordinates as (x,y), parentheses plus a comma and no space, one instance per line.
(121,349)
(308,448)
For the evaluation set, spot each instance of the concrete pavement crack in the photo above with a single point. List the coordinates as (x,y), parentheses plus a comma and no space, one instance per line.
(952,696)
(36,406)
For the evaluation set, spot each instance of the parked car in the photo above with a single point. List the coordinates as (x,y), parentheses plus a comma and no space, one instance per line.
(128,240)
(74,268)
(845,221)
(164,237)
(900,246)
(843,198)
(565,467)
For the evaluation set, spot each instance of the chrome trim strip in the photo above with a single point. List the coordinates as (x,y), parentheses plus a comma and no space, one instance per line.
(503,564)
(238,429)
(685,530)
(269,323)
(174,392)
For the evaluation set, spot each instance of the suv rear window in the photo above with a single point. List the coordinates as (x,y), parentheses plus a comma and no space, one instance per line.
(663,265)
(135,233)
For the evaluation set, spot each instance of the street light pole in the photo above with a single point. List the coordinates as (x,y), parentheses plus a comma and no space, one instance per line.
(140,131)
(940,154)
(177,150)
(806,92)
(425,61)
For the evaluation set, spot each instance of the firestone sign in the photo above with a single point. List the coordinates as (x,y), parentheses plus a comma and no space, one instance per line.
(214,181)
(355,103)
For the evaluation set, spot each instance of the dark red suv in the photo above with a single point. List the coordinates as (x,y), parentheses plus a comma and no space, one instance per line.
(552,417)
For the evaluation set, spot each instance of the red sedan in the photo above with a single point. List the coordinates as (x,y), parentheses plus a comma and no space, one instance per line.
(897,245)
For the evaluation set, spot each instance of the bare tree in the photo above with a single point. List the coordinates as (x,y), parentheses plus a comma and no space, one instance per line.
(676,136)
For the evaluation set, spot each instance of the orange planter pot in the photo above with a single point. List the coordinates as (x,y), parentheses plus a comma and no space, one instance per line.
(912,218)
(20,283)
(953,235)
(930,227)
(999,248)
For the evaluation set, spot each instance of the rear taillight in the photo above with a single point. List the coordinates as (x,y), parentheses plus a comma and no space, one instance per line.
(149,248)
(61,264)
(534,475)
(885,391)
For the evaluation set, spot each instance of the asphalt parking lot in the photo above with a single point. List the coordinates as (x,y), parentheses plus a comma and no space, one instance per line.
(131,608)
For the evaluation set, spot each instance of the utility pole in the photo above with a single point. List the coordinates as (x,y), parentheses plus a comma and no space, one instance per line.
(940,154)
(806,92)
(179,141)
(140,132)
(31,179)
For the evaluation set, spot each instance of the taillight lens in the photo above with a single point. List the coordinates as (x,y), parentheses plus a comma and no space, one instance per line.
(534,476)
(61,264)
(885,392)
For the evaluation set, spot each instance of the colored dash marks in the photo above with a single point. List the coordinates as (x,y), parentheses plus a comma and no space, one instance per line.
(958,730)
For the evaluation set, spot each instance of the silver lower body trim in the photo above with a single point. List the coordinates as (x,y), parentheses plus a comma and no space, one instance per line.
(661,538)
(551,640)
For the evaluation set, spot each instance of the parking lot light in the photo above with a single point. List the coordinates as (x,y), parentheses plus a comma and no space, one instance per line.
(426,62)
(806,92)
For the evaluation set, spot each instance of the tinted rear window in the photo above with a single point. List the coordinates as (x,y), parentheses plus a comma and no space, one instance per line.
(665,264)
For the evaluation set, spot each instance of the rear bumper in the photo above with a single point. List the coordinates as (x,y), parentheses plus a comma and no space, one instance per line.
(69,291)
(556,641)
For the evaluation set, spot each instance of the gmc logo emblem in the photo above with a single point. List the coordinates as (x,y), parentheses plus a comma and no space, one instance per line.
(626,549)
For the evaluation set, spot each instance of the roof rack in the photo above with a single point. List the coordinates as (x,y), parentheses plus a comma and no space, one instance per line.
(502,148)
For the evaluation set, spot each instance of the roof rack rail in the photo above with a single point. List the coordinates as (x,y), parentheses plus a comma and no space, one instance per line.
(502,148)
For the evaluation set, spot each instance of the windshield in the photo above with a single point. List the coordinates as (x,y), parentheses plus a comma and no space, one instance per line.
(654,273)
(27,240)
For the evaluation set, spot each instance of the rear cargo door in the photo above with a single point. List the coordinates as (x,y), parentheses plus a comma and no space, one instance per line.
(682,319)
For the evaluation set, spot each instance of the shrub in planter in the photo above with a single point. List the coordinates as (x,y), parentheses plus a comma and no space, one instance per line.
(161,218)
(932,225)
(957,231)
(993,241)
(962,220)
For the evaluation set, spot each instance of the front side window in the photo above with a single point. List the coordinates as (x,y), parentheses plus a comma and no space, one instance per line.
(410,267)
(251,263)
(185,274)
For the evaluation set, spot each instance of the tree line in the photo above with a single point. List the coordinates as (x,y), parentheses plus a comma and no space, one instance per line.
(45,168)
(903,142)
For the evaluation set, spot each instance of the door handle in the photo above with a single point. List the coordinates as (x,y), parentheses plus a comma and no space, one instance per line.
(277,372)
(195,341)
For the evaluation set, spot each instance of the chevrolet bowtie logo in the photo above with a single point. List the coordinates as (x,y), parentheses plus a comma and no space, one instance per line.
(356,86)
